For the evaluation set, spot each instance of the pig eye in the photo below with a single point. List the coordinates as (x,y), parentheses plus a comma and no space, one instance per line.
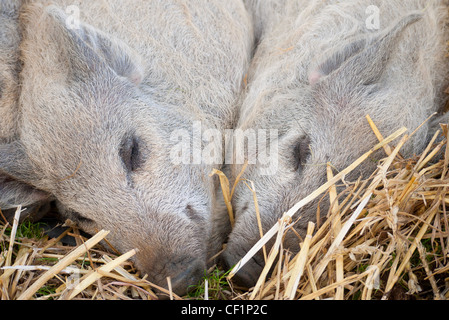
(301,151)
(192,213)
(130,153)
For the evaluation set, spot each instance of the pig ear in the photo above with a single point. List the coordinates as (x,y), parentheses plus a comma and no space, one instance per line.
(15,171)
(14,193)
(364,59)
(60,45)
(15,163)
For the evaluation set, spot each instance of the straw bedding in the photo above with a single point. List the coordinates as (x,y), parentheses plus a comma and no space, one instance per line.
(386,237)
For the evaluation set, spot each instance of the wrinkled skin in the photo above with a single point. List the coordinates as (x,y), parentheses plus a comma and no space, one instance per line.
(97,108)
(316,74)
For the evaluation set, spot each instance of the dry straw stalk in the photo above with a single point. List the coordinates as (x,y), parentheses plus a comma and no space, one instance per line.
(67,260)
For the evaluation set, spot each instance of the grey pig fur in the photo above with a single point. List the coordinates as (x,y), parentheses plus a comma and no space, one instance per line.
(92,124)
(317,72)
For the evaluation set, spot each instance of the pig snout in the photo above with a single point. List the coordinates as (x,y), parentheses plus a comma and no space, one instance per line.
(184,273)
(168,245)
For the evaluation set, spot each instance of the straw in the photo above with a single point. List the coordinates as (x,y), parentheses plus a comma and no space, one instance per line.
(88,279)
(62,264)
(298,268)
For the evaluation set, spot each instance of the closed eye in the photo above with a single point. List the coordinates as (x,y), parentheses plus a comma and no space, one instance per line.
(301,152)
(130,153)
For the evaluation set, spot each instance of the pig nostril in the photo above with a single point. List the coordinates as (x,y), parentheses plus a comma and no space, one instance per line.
(188,278)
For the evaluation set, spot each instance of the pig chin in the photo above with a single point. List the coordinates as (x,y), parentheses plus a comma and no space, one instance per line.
(183,272)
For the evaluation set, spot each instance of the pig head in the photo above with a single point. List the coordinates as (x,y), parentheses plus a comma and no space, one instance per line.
(314,80)
(96,114)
